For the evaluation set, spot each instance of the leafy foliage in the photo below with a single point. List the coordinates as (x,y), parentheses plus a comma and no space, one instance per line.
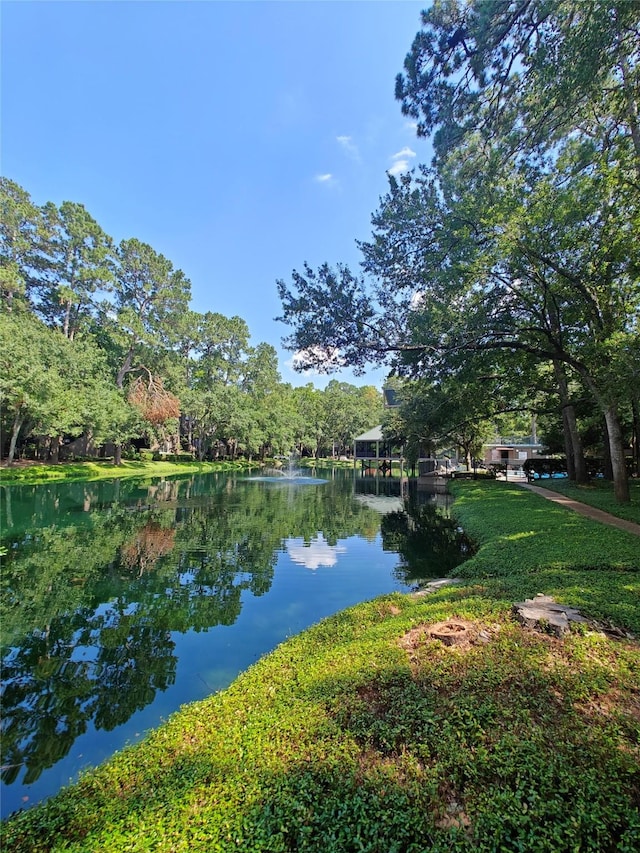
(142,366)
(517,246)
(525,73)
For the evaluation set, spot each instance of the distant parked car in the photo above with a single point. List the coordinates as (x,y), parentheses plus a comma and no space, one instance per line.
(559,475)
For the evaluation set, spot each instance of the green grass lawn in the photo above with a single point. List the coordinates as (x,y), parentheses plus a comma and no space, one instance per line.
(530,545)
(97,470)
(599,493)
(364,733)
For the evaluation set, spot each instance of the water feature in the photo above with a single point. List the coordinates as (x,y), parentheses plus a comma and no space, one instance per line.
(286,479)
(123,600)
(290,473)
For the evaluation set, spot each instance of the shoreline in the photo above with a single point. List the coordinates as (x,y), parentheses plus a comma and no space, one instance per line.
(364,726)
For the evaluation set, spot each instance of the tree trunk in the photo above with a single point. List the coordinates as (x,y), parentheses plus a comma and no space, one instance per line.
(580,473)
(124,369)
(632,109)
(568,447)
(54,449)
(616,448)
(615,443)
(117,459)
(17,425)
(67,320)
(187,430)
(635,441)
(576,465)
(607,469)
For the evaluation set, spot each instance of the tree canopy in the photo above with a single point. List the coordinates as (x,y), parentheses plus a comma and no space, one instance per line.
(101,348)
(520,239)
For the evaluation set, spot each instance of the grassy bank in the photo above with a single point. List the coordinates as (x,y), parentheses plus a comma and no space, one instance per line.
(365,734)
(529,545)
(97,470)
(75,471)
(599,493)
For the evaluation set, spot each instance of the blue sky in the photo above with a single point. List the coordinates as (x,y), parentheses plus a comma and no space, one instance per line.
(239,139)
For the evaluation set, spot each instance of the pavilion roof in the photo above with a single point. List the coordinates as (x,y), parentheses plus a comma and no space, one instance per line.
(374,434)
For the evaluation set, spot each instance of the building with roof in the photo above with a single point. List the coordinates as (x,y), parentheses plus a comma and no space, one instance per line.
(374,452)
(512,452)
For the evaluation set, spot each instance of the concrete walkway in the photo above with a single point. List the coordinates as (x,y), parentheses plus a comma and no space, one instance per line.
(584,509)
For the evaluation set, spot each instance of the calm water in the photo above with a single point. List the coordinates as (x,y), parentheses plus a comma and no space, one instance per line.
(123,600)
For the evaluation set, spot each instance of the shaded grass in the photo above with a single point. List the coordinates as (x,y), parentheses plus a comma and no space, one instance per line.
(352,737)
(599,493)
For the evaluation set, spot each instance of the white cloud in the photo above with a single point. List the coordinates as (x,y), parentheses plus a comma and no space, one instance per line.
(316,553)
(399,167)
(292,365)
(327,180)
(401,161)
(347,143)
(417,301)
(403,153)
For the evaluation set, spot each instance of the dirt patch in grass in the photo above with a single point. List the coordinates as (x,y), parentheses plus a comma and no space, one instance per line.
(371,761)
(375,699)
(459,634)
(387,609)
(612,704)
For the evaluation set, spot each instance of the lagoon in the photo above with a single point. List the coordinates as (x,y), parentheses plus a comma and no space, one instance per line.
(122,600)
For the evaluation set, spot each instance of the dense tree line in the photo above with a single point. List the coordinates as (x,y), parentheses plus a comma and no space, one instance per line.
(99,344)
(504,277)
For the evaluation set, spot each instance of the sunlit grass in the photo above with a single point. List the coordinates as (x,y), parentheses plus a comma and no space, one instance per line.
(96,470)
(74,471)
(599,493)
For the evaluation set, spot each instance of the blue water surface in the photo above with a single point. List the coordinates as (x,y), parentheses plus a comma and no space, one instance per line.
(123,600)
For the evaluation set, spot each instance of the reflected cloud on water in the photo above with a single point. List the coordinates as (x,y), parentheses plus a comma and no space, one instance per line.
(315,553)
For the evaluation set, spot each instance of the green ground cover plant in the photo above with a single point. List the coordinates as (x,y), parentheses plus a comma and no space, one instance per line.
(599,493)
(311,462)
(529,545)
(365,733)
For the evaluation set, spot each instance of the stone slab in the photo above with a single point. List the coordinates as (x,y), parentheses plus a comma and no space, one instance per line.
(542,612)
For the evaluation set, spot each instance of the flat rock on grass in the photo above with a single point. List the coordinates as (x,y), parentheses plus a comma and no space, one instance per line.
(543,613)
(433,586)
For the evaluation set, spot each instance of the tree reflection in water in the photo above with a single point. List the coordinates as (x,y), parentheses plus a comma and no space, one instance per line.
(430,544)
(98,577)
(147,545)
